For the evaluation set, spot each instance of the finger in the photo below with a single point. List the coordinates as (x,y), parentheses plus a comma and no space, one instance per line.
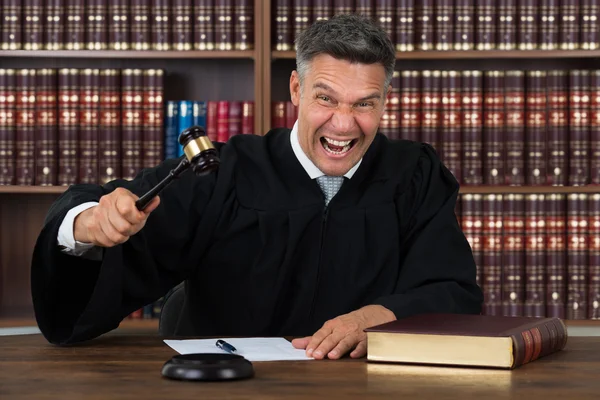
(343,347)
(152,205)
(125,206)
(120,224)
(111,233)
(316,339)
(301,343)
(360,351)
(328,344)
(98,237)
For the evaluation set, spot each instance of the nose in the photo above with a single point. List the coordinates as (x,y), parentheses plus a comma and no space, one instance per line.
(343,120)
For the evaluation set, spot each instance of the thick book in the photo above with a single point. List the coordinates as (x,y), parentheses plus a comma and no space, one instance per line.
(466,340)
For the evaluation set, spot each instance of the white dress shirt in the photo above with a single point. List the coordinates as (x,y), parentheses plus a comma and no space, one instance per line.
(73,247)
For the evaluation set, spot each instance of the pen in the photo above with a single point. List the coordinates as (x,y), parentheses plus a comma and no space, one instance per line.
(223,345)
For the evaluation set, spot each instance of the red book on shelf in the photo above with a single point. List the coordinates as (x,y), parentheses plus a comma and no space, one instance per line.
(556,254)
(247,117)
(431,107)
(109,134)
(535,128)
(212,130)
(153,117)
(577,255)
(579,127)
(450,140)
(291,114)
(472,127)
(535,256)
(68,125)
(492,254)
(25,106)
(471,212)
(235,118)
(493,128)
(7,126)
(222,121)
(132,126)
(410,105)
(89,120)
(514,99)
(558,125)
(513,255)
(46,120)
(594,127)
(278,115)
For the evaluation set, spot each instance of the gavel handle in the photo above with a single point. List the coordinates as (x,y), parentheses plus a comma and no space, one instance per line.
(143,201)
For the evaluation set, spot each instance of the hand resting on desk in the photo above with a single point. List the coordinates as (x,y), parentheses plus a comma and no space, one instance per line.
(344,333)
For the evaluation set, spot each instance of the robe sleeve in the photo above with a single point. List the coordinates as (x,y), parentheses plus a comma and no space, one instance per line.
(437,272)
(76,298)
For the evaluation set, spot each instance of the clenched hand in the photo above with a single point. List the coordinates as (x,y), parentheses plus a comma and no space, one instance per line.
(344,333)
(113,220)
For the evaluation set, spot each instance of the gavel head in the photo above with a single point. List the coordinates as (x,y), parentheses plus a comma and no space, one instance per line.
(199,150)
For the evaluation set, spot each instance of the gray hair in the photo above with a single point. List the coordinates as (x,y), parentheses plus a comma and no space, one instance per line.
(351,37)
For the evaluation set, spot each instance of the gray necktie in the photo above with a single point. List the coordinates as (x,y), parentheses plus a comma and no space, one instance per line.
(330,186)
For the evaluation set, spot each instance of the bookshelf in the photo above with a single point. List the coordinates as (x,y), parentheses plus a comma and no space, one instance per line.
(261,74)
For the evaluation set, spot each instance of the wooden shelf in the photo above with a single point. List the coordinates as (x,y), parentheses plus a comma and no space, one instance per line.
(250,54)
(32,189)
(529,189)
(473,54)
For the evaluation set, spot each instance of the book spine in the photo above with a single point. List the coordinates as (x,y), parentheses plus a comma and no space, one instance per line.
(243,26)
(535,128)
(68,125)
(493,128)
(182,16)
(141,24)
(384,15)
(75,23)
(471,212)
(528,24)
(160,25)
(278,115)
(25,126)
(109,135)
(514,96)
(283,25)
(96,32)
(492,254)
(535,265)
(185,119)
(472,127)
(171,134)
(248,117)
(464,25)
(579,124)
(235,118)
(450,121)
(558,120)
(393,107)
(302,16)
(89,119)
(33,25)
(590,25)
(577,253)
(321,10)
(594,127)
(11,25)
(444,24)
(556,255)
(549,26)
(405,28)
(204,25)
(211,120)
(541,338)
(594,256)
(424,29)
(224,24)
(507,24)
(55,22)
(513,255)
(199,113)
(153,117)
(366,8)
(131,130)
(223,121)
(46,128)
(486,23)
(7,126)
(118,25)
(410,105)
(569,24)
(430,103)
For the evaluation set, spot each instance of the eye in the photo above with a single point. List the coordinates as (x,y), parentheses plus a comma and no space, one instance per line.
(324,98)
(364,104)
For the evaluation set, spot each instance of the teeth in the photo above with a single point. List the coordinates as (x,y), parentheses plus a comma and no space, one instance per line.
(337,142)
(345,149)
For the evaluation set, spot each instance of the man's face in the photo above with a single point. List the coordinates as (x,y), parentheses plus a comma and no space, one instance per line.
(340,106)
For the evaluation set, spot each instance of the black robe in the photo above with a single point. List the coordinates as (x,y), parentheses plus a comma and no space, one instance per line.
(260,253)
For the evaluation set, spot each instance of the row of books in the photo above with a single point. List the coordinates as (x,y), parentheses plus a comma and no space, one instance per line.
(536,254)
(513,127)
(127,25)
(456,24)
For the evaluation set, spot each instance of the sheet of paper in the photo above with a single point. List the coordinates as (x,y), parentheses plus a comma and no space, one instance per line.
(20,330)
(253,349)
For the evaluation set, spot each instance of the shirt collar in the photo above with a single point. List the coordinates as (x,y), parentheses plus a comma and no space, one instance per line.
(310,168)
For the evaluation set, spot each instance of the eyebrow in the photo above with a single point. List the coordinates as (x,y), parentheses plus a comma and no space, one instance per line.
(324,86)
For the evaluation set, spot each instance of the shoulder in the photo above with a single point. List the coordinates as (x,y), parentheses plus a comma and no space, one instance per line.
(253,145)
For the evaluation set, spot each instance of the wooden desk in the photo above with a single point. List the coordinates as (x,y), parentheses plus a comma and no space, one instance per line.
(128,364)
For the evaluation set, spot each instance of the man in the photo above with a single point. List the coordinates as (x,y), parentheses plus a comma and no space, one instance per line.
(268,245)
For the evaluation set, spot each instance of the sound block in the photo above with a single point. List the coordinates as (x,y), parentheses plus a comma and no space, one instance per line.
(208,367)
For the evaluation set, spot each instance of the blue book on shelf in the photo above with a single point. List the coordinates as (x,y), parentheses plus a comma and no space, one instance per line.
(171,133)
(184,120)
(199,114)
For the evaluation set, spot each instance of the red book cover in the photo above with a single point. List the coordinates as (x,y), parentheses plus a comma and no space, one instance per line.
(558,125)
(247,118)
(472,127)
(513,255)
(492,254)
(109,134)
(535,128)
(579,127)
(450,140)
(153,101)
(410,105)
(493,128)
(68,125)
(212,130)
(46,120)
(290,114)
(131,129)
(556,254)
(594,127)
(223,121)
(89,98)
(514,99)
(25,105)
(278,115)
(431,107)
(7,126)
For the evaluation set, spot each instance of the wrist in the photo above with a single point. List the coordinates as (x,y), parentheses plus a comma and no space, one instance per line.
(376,314)
(80,231)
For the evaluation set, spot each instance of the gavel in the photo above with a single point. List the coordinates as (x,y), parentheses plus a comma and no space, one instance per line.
(200,154)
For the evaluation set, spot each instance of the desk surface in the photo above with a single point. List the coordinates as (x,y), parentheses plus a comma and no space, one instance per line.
(128,365)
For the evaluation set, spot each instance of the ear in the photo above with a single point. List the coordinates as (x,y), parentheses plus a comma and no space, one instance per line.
(295,88)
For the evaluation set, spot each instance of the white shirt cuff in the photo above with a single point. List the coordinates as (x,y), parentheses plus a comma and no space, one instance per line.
(66,238)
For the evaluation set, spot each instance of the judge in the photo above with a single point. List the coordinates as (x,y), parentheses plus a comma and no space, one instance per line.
(318,232)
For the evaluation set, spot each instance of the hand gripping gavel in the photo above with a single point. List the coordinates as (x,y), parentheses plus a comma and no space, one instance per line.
(200,154)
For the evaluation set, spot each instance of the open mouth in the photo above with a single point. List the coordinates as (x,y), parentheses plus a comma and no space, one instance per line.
(337,147)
